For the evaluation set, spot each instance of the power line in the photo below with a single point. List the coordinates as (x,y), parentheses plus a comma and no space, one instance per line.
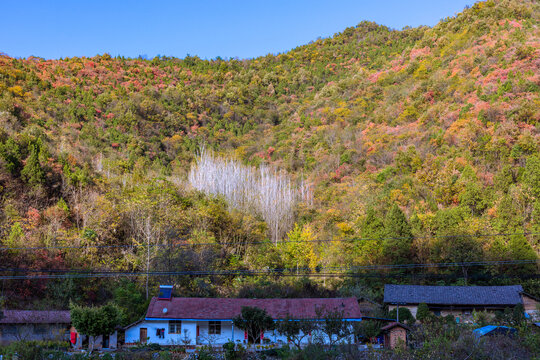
(67,247)
(295,269)
(346,272)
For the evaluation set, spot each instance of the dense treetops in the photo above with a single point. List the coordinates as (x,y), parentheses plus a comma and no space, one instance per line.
(418,140)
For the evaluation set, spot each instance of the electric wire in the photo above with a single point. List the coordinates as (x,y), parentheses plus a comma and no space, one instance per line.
(345,271)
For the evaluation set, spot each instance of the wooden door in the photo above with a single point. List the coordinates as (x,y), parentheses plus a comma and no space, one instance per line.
(143,335)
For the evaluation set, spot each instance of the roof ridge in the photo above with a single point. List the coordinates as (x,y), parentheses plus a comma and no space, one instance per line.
(456,286)
(224,308)
(244,298)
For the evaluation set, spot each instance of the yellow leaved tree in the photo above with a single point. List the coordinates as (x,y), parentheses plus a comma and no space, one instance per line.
(298,251)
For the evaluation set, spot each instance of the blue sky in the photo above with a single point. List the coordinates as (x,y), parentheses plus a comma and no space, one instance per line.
(207,28)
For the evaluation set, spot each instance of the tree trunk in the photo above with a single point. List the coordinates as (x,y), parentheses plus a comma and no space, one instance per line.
(147,254)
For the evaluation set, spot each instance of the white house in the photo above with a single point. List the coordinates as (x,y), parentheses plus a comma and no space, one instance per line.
(190,321)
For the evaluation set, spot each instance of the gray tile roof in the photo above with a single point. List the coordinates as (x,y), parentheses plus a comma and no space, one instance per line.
(453,295)
(35,317)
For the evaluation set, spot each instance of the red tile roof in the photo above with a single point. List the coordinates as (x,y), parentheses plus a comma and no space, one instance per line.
(227,308)
(35,317)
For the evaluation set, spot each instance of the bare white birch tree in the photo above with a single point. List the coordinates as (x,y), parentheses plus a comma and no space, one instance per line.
(265,191)
(145,229)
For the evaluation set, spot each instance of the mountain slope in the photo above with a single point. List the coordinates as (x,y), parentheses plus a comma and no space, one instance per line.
(414,134)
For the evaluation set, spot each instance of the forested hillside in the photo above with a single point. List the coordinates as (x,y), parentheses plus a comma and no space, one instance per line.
(417,146)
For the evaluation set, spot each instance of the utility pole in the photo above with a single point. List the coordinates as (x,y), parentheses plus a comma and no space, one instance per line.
(148,234)
(397,309)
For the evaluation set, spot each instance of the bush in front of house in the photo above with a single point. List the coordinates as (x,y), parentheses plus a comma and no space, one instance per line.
(234,351)
(35,350)
(423,314)
(314,352)
(206,353)
(57,355)
(144,355)
(405,315)
(28,350)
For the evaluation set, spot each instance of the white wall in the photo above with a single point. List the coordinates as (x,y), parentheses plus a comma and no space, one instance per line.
(132,334)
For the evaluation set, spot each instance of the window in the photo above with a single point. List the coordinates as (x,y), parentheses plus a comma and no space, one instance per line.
(214,328)
(40,330)
(175,326)
(9,330)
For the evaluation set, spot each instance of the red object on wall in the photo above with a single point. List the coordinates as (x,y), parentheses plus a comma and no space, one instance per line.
(262,335)
(197,330)
(245,335)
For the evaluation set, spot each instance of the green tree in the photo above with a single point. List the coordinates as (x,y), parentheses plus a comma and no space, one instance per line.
(296,329)
(405,315)
(504,178)
(520,249)
(398,237)
(474,196)
(95,321)
(454,241)
(531,175)
(32,172)
(10,152)
(535,217)
(372,226)
(16,235)
(509,217)
(131,301)
(255,321)
(423,314)
(368,251)
(518,315)
(408,161)
(334,325)
(367,329)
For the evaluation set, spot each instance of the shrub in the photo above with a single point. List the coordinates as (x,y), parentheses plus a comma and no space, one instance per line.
(205,353)
(423,314)
(405,315)
(27,350)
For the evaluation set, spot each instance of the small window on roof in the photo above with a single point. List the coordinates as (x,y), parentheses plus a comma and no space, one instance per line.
(165,292)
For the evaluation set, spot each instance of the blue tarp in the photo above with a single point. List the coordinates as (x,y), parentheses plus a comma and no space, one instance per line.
(493,330)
